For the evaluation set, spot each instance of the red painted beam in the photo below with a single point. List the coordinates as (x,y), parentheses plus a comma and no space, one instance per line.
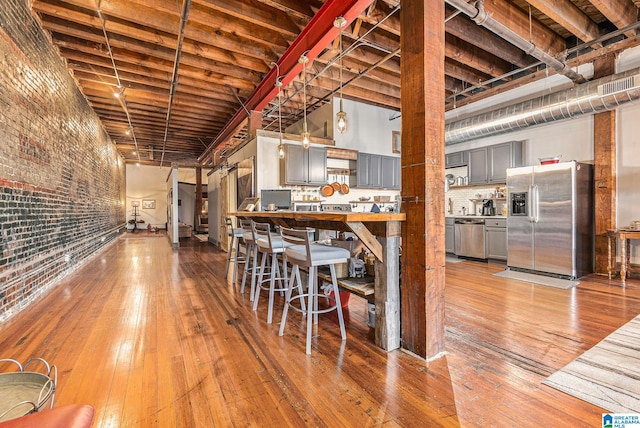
(314,38)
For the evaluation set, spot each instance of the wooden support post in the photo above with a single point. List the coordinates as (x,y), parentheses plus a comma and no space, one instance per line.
(387,294)
(604,147)
(255,122)
(423,254)
(198,191)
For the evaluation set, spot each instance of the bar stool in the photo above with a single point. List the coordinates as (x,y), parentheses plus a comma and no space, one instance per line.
(234,234)
(269,246)
(302,252)
(251,257)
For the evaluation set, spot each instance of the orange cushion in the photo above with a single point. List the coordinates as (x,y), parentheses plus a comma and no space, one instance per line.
(69,416)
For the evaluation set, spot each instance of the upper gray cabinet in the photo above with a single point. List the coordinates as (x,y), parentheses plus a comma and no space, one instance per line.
(478,166)
(378,171)
(501,157)
(302,166)
(390,172)
(452,160)
(489,164)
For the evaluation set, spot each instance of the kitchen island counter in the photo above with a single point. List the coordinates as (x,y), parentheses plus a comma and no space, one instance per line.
(380,233)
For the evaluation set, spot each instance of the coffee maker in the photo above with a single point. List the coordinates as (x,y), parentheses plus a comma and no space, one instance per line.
(488,208)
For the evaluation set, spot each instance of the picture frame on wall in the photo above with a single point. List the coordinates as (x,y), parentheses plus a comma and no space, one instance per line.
(149,204)
(396,141)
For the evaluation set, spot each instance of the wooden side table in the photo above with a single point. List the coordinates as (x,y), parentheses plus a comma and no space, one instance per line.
(625,236)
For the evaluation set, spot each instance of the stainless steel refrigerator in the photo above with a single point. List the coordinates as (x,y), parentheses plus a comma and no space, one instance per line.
(550,226)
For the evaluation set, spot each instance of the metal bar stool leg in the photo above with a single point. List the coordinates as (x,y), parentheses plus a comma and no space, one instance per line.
(226,270)
(254,271)
(247,265)
(312,305)
(237,260)
(336,292)
(263,265)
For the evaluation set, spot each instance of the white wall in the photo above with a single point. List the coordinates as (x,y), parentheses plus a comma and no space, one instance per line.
(319,123)
(369,128)
(148,183)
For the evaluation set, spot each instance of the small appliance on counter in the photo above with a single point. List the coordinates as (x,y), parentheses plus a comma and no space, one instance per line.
(488,208)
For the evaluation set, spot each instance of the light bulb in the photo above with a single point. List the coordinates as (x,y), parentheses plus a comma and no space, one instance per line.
(281,151)
(341,121)
(305,140)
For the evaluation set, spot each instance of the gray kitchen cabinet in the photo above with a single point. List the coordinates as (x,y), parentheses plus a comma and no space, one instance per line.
(390,176)
(378,171)
(365,169)
(302,166)
(496,238)
(501,157)
(452,160)
(477,164)
(449,235)
(489,165)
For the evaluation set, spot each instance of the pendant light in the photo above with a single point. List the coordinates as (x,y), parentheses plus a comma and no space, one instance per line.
(278,85)
(341,116)
(305,132)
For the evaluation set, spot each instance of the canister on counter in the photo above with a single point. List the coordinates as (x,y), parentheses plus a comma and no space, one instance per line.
(472,207)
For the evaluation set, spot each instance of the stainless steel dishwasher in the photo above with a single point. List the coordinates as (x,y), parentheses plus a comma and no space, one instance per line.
(469,237)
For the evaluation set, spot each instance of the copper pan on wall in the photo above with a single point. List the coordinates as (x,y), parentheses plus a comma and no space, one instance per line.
(336,186)
(327,190)
(344,187)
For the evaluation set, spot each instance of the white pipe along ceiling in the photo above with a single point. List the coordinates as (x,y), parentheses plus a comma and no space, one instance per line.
(588,98)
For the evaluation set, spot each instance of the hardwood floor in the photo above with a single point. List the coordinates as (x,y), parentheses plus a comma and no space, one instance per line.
(152,336)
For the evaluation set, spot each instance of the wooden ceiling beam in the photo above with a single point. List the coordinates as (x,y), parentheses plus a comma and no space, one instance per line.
(127,36)
(375,92)
(130,75)
(129,80)
(255,13)
(462,72)
(127,61)
(153,22)
(474,57)
(464,29)
(302,11)
(565,13)
(620,12)
(163,59)
(531,30)
(164,13)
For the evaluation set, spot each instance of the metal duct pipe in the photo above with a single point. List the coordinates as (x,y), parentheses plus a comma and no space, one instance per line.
(592,97)
(184,16)
(481,17)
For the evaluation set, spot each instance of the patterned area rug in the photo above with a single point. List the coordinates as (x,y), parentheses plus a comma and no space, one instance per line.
(201,237)
(607,375)
(537,279)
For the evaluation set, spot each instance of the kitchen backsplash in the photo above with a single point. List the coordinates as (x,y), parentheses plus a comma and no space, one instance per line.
(460,196)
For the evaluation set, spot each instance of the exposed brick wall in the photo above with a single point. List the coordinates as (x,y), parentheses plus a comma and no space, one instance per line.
(62,183)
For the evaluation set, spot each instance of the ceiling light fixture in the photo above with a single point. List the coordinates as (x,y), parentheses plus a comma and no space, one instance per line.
(278,85)
(341,116)
(304,59)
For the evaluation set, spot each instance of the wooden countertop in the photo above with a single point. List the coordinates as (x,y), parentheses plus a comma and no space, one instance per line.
(340,216)
(366,226)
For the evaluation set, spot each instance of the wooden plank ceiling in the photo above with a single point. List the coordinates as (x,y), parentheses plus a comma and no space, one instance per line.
(129,48)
